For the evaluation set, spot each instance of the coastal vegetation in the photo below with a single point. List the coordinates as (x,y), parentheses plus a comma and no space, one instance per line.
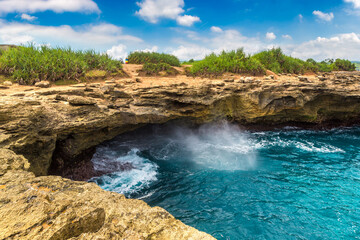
(357,65)
(29,64)
(215,65)
(274,60)
(156,69)
(153,57)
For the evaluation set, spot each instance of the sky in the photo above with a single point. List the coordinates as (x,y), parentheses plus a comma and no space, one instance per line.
(189,29)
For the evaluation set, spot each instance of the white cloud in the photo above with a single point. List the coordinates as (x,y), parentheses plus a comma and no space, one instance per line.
(216,29)
(270,36)
(187,20)
(226,40)
(118,52)
(340,46)
(89,36)
(27,17)
(154,10)
(153,49)
(58,6)
(301,17)
(191,52)
(355,2)
(324,16)
(286,36)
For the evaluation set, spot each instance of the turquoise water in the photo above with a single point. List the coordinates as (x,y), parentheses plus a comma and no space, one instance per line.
(234,184)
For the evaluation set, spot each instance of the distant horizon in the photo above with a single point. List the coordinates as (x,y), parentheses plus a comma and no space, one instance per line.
(187,29)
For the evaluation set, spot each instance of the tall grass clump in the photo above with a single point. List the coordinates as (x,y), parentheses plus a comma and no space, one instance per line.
(276,61)
(29,64)
(156,69)
(153,57)
(215,65)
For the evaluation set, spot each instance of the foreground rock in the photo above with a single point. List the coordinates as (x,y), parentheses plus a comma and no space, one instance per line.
(56,208)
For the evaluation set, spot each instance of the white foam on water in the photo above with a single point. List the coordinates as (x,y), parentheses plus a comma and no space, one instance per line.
(141,175)
(302,145)
(219,146)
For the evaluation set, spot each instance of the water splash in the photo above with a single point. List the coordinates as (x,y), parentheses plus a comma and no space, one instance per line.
(140,173)
(220,146)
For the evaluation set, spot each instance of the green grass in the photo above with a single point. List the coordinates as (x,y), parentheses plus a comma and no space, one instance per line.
(153,57)
(28,64)
(156,69)
(215,65)
(275,60)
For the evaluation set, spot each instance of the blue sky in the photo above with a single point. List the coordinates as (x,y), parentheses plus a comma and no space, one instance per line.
(188,29)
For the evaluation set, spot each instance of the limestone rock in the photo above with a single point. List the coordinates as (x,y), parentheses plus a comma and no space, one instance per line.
(11,161)
(303,79)
(54,208)
(81,101)
(7,83)
(43,84)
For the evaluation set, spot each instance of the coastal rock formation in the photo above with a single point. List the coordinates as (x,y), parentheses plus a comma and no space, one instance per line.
(56,208)
(58,126)
(49,130)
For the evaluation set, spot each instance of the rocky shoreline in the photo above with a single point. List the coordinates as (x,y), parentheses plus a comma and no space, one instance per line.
(49,130)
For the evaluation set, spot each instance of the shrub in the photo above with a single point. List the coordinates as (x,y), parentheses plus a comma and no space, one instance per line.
(153,57)
(30,64)
(343,65)
(155,69)
(276,61)
(234,61)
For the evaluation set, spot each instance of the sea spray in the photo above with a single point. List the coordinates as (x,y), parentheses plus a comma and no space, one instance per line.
(221,146)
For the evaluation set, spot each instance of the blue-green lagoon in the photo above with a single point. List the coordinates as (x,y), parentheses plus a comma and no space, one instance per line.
(235,184)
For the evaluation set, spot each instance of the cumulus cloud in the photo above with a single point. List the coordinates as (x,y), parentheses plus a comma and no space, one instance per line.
(191,52)
(324,16)
(216,29)
(225,40)
(58,6)
(117,52)
(286,36)
(356,3)
(187,20)
(154,10)
(340,46)
(89,36)
(28,17)
(270,36)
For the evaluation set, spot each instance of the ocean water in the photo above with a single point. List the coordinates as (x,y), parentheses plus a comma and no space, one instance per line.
(235,184)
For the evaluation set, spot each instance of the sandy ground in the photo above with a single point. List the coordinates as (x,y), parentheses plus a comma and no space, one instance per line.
(140,81)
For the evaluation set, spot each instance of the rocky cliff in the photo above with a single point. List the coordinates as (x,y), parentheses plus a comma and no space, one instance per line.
(53,129)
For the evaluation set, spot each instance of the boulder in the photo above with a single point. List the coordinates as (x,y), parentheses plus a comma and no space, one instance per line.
(43,84)
(11,161)
(81,101)
(7,83)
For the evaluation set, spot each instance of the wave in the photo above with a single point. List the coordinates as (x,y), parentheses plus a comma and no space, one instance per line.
(139,173)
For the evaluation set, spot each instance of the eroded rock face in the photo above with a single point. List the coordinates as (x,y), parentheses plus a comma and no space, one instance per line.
(56,208)
(70,120)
